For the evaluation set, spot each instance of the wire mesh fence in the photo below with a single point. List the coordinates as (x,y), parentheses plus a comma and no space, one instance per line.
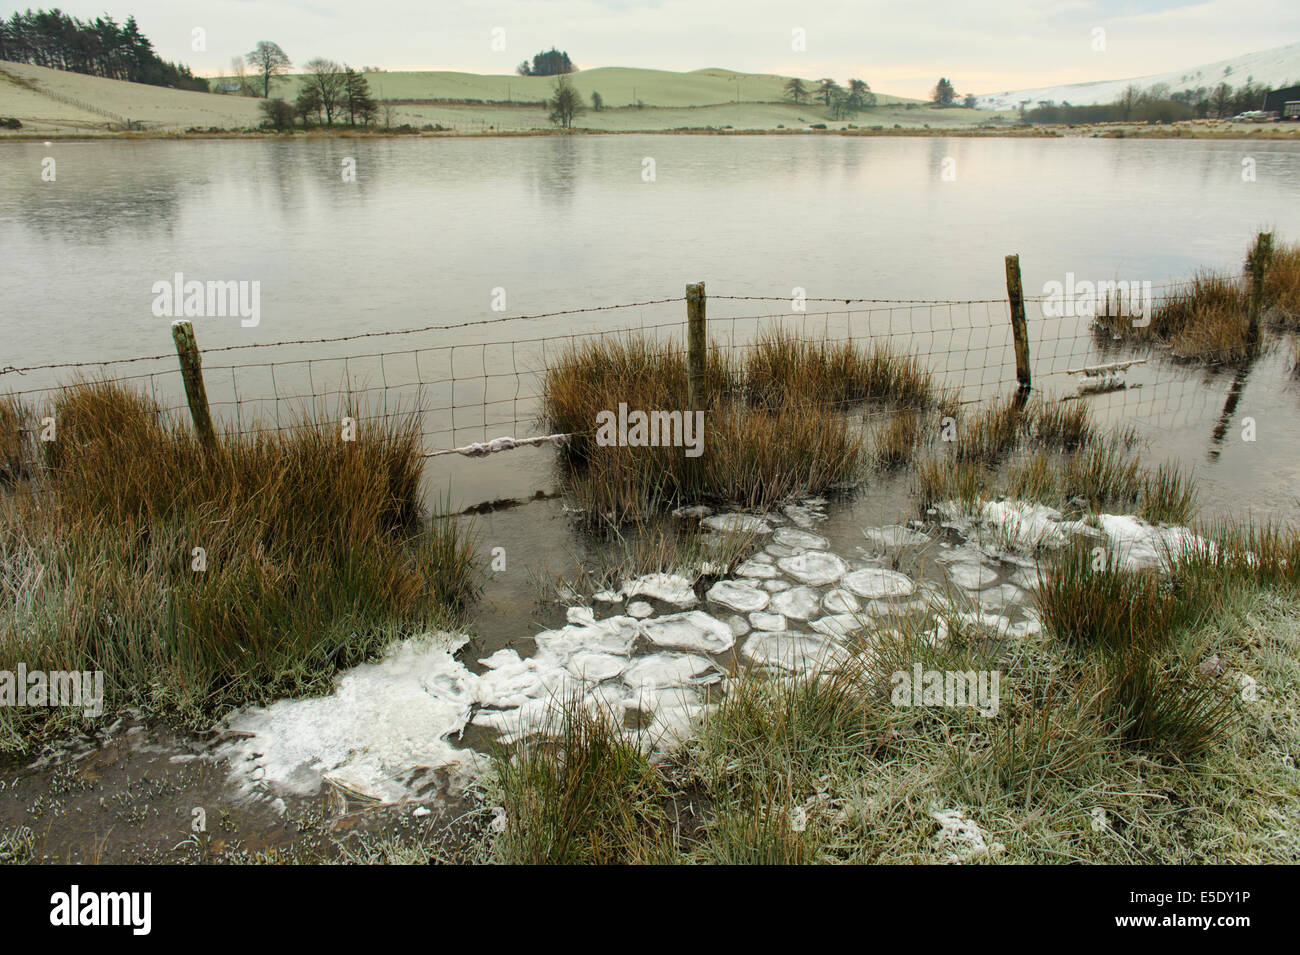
(475,382)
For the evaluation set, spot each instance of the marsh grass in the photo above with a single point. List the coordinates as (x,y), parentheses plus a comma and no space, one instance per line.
(1052,453)
(586,794)
(17,444)
(1130,623)
(1208,320)
(1110,744)
(776,420)
(316,555)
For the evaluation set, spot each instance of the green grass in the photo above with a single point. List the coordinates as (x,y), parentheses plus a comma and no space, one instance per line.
(316,555)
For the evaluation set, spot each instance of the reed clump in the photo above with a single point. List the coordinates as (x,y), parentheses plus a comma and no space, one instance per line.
(776,420)
(1209,319)
(198,579)
(1130,623)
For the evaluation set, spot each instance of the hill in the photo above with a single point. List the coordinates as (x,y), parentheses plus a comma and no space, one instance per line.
(1279,66)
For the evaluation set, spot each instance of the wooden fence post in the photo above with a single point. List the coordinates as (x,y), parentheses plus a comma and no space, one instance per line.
(187,350)
(697,344)
(1256,266)
(1019,331)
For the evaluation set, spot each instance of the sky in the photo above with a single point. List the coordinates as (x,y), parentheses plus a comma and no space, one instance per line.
(900,47)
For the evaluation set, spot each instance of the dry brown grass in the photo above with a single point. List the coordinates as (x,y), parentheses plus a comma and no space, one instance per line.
(777,421)
(314,554)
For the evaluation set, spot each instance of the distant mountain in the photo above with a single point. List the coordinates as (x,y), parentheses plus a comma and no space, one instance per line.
(1276,67)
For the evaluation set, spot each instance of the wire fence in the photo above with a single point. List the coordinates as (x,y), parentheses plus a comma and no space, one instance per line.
(477,386)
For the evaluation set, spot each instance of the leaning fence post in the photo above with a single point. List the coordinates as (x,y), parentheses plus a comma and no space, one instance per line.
(697,344)
(1019,331)
(187,350)
(1256,266)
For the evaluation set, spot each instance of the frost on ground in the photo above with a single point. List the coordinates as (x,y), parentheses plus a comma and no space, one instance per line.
(653,657)
(961,838)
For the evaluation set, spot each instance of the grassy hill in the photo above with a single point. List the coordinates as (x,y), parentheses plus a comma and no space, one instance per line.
(54,102)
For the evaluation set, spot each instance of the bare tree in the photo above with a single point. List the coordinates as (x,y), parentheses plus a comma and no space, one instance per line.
(327,79)
(565,103)
(269,60)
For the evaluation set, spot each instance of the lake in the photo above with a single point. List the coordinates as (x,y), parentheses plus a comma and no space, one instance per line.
(433,231)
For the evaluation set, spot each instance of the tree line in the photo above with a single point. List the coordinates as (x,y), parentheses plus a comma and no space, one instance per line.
(1157,104)
(842,101)
(99,47)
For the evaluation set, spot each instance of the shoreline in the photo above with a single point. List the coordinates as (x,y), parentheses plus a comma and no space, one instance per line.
(1290,132)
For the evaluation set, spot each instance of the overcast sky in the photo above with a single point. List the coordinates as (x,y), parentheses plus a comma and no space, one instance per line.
(899,47)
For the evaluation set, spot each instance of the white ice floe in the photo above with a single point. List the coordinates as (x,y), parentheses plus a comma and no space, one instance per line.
(594,667)
(840,601)
(798,603)
(383,723)
(739,626)
(838,625)
(894,535)
(970,575)
(668,670)
(512,680)
(815,568)
(737,522)
(739,597)
(1001,598)
(580,615)
(1141,545)
(962,838)
(797,652)
(875,583)
(757,568)
(611,635)
(670,588)
(639,610)
(1025,526)
(767,621)
(776,586)
(800,539)
(693,630)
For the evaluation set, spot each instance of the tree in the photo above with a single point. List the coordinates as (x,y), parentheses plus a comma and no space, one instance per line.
(860,95)
(98,47)
(827,89)
(565,103)
(308,105)
(842,104)
(357,99)
(970,101)
(329,81)
(550,62)
(796,91)
(1128,101)
(277,114)
(596,102)
(269,60)
(1221,100)
(239,73)
(943,93)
